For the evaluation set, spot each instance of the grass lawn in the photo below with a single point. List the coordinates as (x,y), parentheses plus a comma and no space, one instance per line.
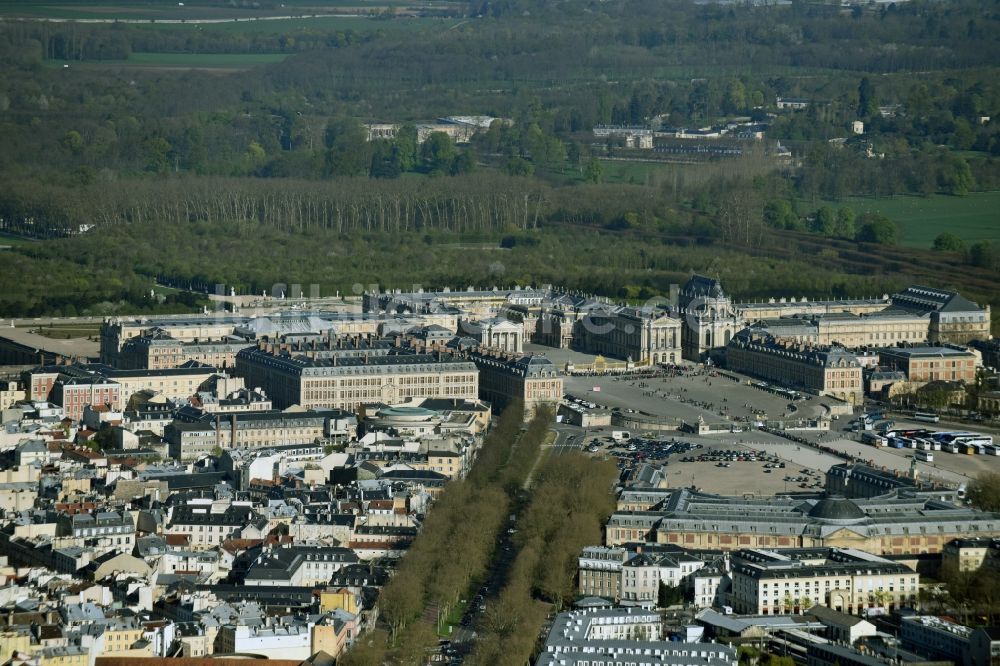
(204,59)
(12,240)
(220,61)
(361,24)
(972,218)
(66,330)
(627,171)
(188,10)
(358,15)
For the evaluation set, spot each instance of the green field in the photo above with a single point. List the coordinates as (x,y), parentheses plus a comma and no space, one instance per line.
(65,330)
(11,240)
(366,15)
(972,218)
(618,171)
(221,61)
(361,24)
(205,59)
(191,10)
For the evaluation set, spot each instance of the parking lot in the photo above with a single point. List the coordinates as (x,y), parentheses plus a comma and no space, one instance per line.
(720,465)
(685,398)
(717,399)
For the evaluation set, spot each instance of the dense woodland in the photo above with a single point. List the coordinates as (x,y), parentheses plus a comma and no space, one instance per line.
(263,175)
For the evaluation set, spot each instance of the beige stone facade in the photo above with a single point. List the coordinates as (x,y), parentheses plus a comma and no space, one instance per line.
(766,582)
(989,402)
(505,378)
(821,370)
(630,333)
(971,554)
(162,351)
(927,364)
(172,383)
(885,525)
(803,307)
(347,383)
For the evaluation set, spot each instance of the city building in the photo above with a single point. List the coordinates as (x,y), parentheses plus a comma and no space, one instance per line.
(971,554)
(846,329)
(989,403)
(897,523)
(794,580)
(644,336)
(710,320)
(831,371)
(927,364)
(495,333)
(953,318)
(298,566)
(642,575)
(74,394)
(535,380)
(207,525)
(193,433)
(159,350)
(937,638)
(623,637)
(101,530)
(857,480)
(600,570)
(116,331)
(842,627)
(347,383)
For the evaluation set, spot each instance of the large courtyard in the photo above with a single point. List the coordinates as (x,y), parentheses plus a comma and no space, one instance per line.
(722,402)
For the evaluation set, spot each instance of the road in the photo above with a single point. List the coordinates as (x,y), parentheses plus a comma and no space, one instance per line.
(568,438)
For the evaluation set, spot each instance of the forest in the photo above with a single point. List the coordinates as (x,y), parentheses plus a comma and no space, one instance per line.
(124,176)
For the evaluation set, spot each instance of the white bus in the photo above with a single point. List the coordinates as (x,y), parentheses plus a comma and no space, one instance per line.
(869,437)
(978,441)
(926,456)
(946,437)
(929,417)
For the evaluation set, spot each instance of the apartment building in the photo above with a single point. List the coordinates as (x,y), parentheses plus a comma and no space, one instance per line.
(99,529)
(623,637)
(208,526)
(642,575)
(193,434)
(74,394)
(298,566)
(847,580)
(601,571)
(971,554)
